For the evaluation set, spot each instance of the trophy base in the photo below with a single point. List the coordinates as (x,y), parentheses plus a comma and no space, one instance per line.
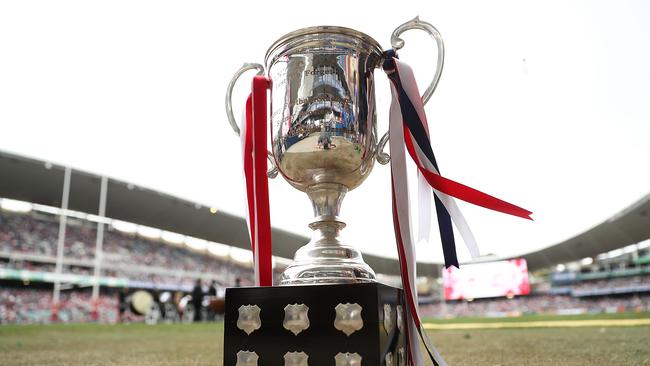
(345,324)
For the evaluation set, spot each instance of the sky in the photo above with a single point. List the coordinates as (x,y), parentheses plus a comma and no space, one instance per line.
(543,104)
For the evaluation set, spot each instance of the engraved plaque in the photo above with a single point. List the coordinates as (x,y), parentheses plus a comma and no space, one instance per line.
(295,318)
(348,318)
(388,318)
(249,318)
(246,358)
(295,359)
(347,359)
(400,318)
(389,359)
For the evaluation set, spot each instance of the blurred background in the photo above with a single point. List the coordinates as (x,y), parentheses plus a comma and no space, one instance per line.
(85,267)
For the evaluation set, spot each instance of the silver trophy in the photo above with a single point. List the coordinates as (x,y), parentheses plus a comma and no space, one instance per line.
(324,133)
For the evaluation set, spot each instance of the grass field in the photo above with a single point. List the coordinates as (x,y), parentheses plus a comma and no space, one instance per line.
(200,344)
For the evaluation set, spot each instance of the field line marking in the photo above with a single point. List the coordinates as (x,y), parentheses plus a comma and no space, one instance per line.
(541,324)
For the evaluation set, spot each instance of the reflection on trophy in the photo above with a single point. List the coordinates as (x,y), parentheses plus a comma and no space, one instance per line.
(324,143)
(324,136)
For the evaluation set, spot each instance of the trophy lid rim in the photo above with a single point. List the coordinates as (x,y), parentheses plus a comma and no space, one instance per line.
(327,29)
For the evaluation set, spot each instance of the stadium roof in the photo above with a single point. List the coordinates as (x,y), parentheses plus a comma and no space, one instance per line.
(630,226)
(41,182)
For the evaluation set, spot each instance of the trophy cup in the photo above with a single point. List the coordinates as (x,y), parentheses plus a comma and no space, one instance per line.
(329,308)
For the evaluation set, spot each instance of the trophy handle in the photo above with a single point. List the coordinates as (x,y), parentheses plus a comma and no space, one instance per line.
(273,172)
(397,43)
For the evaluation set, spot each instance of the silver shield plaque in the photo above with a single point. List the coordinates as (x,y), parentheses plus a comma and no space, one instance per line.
(389,359)
(295,359)
(296,318)
(246,358)
(388,318)
(400,318)
(249,318)
(348,318)
(347,359)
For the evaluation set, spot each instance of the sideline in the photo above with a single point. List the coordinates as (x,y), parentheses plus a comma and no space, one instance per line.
(542,324)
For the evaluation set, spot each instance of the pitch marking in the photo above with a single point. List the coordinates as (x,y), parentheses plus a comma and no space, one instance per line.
(542,324)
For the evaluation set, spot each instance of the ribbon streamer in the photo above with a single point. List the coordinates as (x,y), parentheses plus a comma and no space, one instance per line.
(406,249)
(257,184)
(409,132)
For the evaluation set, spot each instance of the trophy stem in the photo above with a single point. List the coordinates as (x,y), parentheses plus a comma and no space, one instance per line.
(325,259)
(326,200)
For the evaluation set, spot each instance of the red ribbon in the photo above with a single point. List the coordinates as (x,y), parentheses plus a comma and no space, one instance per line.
(461,191)
(257,184)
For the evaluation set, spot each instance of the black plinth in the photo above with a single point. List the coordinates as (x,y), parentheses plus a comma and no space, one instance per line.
(321,341)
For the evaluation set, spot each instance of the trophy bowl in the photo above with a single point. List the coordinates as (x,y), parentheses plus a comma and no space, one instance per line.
(323,122)
(324,134)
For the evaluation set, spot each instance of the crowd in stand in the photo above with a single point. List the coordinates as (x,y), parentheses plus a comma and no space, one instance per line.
(544,304)
(28,234)
(126,256)
(620,282)
(30,305)
(23,234)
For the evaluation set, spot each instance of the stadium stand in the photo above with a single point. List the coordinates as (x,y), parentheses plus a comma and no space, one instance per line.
(27,266)
(611,283)
(536,304)
(33,236)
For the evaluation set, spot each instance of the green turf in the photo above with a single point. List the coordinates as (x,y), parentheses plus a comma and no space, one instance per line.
(201,345)
(132,344)
(555,346)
